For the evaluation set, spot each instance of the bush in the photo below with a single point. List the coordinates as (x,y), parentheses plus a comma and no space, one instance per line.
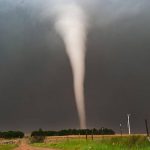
(37,139)
(37,136)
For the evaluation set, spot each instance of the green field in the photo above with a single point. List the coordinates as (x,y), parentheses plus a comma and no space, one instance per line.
(113,143)
(8,147)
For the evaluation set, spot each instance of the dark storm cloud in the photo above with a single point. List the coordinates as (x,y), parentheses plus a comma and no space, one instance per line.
(35,74)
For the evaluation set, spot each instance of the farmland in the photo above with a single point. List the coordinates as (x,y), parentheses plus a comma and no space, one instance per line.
(136,142)
(8,147)
(99,142)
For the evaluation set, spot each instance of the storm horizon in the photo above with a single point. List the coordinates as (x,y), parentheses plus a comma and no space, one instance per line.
(36,80)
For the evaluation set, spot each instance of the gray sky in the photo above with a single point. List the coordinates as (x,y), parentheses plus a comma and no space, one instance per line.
(35,75)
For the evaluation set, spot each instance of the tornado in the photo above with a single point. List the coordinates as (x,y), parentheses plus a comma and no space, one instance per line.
(71,26)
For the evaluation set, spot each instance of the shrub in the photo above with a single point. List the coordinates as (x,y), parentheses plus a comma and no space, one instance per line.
(37,139)
(37,136)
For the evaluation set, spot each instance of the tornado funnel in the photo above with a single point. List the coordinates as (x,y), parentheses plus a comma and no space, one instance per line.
(71,25)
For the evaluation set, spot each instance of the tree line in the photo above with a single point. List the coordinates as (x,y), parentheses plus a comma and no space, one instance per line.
(11,134)
(102,131)
(40,132)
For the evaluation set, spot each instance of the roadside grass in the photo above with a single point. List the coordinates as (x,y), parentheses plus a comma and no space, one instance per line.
(8,147)
(114,143)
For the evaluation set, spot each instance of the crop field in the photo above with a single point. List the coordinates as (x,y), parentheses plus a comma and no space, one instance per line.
(135,142)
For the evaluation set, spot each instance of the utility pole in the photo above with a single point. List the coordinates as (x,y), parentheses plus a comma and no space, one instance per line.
(121,129)
(128,123)
(146,125)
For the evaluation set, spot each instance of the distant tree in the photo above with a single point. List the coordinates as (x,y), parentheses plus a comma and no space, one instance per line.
(38,136)
(94,131)
(11,134)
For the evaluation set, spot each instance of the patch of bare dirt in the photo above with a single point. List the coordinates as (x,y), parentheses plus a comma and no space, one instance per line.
(25,146)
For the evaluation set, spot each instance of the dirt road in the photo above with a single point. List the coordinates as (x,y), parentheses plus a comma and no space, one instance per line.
(25,146)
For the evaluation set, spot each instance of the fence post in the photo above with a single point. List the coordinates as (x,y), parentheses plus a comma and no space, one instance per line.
(146,125)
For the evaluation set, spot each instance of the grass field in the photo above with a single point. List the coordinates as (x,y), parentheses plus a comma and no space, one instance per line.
(111,143)
(8,147)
